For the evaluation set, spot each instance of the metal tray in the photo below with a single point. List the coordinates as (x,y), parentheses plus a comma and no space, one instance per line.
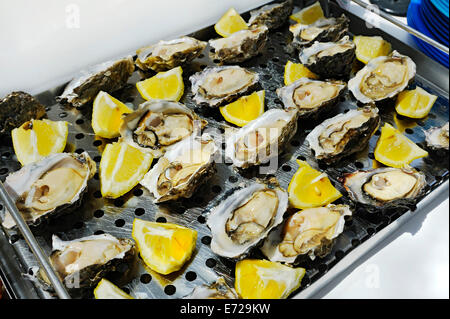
(97,215)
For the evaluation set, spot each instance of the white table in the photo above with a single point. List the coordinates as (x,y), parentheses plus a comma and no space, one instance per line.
(45,42)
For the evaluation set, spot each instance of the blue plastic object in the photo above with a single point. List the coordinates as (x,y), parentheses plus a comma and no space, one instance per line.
(442,6)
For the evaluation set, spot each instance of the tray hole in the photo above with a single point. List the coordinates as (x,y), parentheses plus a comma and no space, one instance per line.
(126,290)
(355,242)
(79,150)
(378,133)
(275,59)
(169,290)
(97,158)
(191,276)
(267,76)
(206,240)
(371,156)
(421,123)
(409,131)
(99,232)
(138,192)
(233,179)
(99,213)
(119,223)
(216,61)
(201,219)
(359,165)
(286,168)
(79,121)
(14,238)
(139,211)
(79,136)
(201,56)
(271,49)
(145,278)
(96,176)
(161,220)
(370,231)
(322,268)
(3,171)
(216,189)
(6,154)
(63,115)
(339,254)
(118,202)
(431,116)
(302,158)
(97,143)
(211,263)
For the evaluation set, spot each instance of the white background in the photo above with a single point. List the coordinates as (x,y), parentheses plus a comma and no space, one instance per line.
(42,45)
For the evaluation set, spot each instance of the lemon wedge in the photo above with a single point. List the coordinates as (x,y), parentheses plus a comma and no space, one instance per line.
(311,188)
(309,14)
(296,71)
(107,115)
(36,139)
(164,247)
(368,48)
(245,109)
(164,86)
(263,279)
(121,168)
(415,103)
(107,290)
(230,23)
(396,150)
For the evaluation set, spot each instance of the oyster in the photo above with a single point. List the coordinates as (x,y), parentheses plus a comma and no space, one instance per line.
(166,55)
(83,262)
(47,188)
(217,290)
(240,46)
(330,59)
(158,125)
(215,86)
(311,231)
(261,139)
(323,30)
(244,218)
(272,15)
(437,140)
(382,78)
(108,76)
(312,98)
(17,108)
(182,169)
(344,134)
(385,187)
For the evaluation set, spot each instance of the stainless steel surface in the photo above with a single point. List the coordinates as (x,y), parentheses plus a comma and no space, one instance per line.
(98,215)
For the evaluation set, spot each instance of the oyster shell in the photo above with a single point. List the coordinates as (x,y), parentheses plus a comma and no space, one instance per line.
(217,290)
(271,15)
(330,60)
(240,46)
(385,187)
(437,140)
(182,169)
(166,55)
(46,189)
(312,98)
(244,218)
(323,30)
(344,134)
(215,86)
(261,139)
(311,231)
(382,78)
(108,76)
(158,125)
(17,108)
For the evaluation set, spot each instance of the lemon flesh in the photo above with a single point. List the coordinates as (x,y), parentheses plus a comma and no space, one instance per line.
(263,279)
(415,103)
(245,109)
(230,23)
(368,48)
(296,71)
(311,188)
(121,168)
(107,115)
(309,14)
(163,86)
(396,150)
(37,139)
(164,247)
(107,290)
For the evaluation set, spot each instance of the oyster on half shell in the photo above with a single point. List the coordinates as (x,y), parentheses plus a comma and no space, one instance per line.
(158,125)
(167,55)
(48,188)
(311,231)
(437,140)
(245,218)
(382,78)
(312,98)
(344,134)
(215,86)
(182,169)
(272,15)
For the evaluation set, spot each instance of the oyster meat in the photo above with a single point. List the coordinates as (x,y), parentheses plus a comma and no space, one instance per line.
(108,76)
(344,134)
(47,188)
(382,78)
(182,169)
(215,86)
(437,139)
(385,187)
(311,231)
(271,15)
(245,218)
(167,55)
(158,125)
(261,139)
(330,60)
(322,30)
(312,98)
(240,46)
(217,290)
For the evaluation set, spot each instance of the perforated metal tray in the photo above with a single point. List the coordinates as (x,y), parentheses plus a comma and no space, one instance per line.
(97,215)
